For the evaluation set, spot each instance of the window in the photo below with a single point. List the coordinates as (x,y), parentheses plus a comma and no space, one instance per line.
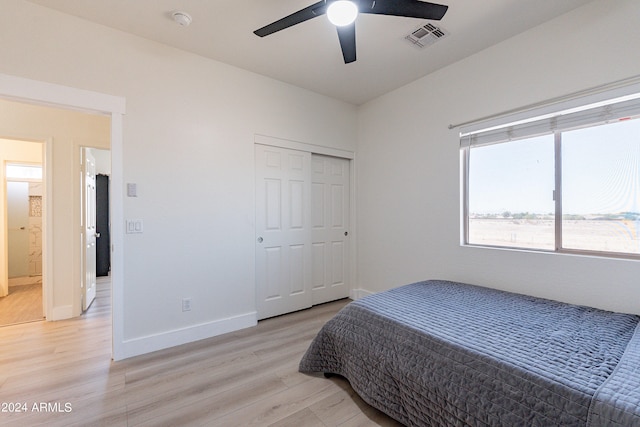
(600,188)
(511,194)
(22,171)
(566,182)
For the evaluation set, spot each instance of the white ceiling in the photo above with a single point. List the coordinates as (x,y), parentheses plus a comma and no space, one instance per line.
(308,55)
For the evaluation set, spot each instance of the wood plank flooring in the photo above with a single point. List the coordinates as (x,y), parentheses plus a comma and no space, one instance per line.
(61,374)
(24,302)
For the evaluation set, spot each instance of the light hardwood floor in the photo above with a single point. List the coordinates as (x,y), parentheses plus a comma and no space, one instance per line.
(245,378)
(24,302)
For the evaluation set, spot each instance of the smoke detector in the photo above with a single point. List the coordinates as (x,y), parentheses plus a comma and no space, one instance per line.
(181,18)
(426,35)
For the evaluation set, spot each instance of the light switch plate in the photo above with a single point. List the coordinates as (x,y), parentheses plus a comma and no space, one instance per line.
(132,189)
(133,226)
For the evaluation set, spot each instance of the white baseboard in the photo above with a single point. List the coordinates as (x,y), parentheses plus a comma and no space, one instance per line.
(150,343)
(61,313)
(360,293)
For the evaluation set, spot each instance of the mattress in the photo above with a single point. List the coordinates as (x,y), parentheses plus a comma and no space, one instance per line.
(441,353)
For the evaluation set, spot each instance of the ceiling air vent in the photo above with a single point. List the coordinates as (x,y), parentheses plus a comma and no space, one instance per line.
(426,35)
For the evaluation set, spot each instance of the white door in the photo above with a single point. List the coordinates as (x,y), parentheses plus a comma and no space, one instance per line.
(330,228)
(88,283)
(18,228)
(283,240)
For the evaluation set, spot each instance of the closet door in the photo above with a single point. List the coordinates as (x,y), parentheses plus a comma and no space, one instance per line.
(330,228)
(283,234)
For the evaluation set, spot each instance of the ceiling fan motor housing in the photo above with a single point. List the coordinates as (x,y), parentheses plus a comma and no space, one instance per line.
(347,31)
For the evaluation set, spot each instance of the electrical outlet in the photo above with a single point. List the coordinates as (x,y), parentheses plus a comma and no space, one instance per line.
(186,304)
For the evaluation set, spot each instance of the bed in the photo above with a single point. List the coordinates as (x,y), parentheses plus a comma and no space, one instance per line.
(440,353)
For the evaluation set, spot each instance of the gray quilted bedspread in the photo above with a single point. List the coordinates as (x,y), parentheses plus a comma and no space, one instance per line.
(440,353)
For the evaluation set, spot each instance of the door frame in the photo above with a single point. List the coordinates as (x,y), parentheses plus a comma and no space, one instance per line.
(326,151)
(20,89)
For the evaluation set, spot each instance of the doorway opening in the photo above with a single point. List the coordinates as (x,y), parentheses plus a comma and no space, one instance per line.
(95,226)
(43,179)
(39,93)
(21,253)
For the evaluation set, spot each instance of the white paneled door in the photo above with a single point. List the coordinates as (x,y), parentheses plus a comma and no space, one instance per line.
(89,227)
(283,240)
(302,219)
(330,228)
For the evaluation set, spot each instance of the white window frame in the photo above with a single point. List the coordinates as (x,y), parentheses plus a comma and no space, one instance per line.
(590,108)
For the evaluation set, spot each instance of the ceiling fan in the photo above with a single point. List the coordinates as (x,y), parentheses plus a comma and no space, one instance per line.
(344,13)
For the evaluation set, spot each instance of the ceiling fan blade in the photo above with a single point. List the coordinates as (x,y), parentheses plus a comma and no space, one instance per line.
(347,36)
(317,9)
(408,8)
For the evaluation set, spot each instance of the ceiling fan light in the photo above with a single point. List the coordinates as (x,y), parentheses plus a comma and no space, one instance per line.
(341,13)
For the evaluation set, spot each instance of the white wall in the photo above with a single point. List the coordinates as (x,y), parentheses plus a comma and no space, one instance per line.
(409,173)
(188,145)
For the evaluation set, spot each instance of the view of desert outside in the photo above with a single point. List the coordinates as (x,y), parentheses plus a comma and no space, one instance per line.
(511,199)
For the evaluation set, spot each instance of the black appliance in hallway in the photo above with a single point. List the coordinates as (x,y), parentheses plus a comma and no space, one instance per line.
(103,242)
